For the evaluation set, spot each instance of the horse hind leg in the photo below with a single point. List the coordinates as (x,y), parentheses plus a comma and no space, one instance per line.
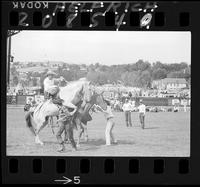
(31,123)
(37,139)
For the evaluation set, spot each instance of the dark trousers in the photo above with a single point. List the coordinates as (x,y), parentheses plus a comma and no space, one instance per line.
(128,118)
(142,116)
(68,127)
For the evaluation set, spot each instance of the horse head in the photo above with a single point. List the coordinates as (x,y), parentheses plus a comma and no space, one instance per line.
(98,99)
(87,91)
(77,91)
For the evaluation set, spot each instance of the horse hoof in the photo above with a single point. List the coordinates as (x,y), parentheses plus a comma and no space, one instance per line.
(41,143)
(77,145)
(60,150)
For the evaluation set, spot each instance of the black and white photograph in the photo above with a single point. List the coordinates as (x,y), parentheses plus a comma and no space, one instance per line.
(98,93)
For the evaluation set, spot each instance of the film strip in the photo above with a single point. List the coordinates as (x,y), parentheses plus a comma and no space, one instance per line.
(166,152)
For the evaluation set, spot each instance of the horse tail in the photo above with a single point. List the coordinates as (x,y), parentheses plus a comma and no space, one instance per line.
(29,123)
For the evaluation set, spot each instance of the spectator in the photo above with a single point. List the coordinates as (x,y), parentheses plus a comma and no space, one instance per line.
(127,109)
(142,111)
(185,105)
(176,108)
(130,94)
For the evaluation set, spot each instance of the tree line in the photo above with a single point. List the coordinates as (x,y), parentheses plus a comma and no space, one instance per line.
(139,74)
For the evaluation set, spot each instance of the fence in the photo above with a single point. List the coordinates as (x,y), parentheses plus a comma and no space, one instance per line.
(148,101)
(156,101)
(11,99)
(23,99)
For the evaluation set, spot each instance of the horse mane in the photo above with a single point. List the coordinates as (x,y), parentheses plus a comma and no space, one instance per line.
(75,89)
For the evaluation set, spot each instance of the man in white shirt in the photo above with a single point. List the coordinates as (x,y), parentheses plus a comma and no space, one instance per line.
(50,85)
(142,111)
(127,109)
(49,82)
(110,138)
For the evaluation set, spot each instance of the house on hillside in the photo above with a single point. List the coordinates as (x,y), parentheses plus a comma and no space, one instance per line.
(169,83)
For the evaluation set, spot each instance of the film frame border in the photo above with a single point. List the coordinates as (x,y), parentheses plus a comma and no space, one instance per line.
(145,174)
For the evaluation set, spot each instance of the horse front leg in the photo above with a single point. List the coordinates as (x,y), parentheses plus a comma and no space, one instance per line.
(80,131)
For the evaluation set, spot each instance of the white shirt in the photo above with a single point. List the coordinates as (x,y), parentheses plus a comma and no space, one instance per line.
(127,107)
(48,83)
(133,103)
(142,108)
(108,113)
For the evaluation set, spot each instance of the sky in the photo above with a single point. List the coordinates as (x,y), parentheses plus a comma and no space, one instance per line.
(104,47)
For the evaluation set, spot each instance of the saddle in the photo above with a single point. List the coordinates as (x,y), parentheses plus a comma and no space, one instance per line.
(52,94)
(57,101)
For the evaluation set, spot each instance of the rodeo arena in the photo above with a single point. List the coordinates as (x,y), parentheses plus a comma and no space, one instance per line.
(83,119)
(68,115)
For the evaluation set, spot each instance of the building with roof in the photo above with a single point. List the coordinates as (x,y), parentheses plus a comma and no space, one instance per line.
(169,83)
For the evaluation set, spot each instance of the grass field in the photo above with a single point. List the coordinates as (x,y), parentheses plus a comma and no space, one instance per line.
(165,134)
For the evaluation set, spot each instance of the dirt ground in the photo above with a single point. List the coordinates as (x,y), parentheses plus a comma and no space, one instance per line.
(165,134)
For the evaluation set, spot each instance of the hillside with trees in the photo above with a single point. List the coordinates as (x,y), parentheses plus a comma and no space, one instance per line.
(139,74)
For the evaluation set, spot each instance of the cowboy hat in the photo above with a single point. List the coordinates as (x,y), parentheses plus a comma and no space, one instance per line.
(50,73)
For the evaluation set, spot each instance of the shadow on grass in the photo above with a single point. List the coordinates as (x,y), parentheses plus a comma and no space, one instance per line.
(151,128)
(95,144)
(100,142)
(91,144)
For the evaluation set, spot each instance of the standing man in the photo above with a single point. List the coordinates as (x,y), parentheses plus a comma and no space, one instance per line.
(110,138)
(65,124)
(142,111)
(127,109)
(185,105)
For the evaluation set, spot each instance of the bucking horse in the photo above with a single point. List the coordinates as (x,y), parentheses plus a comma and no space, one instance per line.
(81,94)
